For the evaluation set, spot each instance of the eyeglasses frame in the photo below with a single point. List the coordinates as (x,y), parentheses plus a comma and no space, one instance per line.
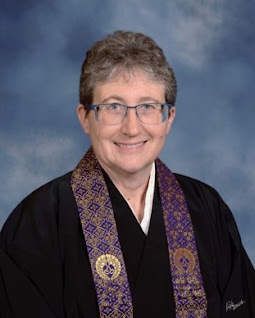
(95,106)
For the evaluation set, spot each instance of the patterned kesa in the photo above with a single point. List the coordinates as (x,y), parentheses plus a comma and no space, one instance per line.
(104,250)
(189,293)
(100,232)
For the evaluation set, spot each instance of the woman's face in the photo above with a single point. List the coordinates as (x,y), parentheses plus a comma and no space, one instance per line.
(129,147)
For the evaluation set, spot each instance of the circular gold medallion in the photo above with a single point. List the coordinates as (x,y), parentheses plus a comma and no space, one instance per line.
(108,267)
(184,260)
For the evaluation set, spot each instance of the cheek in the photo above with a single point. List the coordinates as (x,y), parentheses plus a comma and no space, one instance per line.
(160,132)
(103,134)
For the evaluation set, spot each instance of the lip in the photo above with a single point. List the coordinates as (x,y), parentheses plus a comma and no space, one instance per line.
(130,145)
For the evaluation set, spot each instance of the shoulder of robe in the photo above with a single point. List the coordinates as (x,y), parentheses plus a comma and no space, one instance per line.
(221,214)
(195,185)
(30,262)
(37,211)
(195,189)
(202,194)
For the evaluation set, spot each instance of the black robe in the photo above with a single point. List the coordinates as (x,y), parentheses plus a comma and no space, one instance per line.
(45,270)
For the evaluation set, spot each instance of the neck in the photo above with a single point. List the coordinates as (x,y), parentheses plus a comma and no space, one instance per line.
(133,187)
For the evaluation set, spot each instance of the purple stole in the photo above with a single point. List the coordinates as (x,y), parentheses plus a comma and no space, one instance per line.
(104,250)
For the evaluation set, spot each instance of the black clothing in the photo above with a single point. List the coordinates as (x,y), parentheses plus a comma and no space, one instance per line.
(45,269)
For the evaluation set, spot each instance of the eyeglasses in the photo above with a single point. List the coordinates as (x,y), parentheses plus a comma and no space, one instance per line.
(114,114)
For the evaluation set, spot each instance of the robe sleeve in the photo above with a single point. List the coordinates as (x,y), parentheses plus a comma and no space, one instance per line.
(30,260)
(240,289)
(237,283)
(19,297)
(226,265)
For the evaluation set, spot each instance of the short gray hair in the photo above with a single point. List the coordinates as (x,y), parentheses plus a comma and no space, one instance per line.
(125,51)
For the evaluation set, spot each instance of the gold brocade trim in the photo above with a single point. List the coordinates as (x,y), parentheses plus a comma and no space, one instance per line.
(108,267)
(101,237)
(184,260)
(187,280)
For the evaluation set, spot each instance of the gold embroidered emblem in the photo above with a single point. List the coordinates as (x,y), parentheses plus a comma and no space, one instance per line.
(184,260)
(108,266)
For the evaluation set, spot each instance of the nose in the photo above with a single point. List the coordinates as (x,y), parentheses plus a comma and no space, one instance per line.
(131,124)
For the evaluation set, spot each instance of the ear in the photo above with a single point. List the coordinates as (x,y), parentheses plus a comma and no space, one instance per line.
(83,118)
(171,118)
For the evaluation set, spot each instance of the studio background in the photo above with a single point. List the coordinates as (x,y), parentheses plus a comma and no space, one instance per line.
(209,44)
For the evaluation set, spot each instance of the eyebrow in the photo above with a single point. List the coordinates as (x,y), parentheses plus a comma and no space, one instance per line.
(142,100)
(119,98)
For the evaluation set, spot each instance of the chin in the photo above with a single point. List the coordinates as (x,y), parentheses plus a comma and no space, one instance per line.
(133,168)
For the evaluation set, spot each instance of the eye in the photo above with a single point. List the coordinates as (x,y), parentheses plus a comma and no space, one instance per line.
(147,107)
(114,107)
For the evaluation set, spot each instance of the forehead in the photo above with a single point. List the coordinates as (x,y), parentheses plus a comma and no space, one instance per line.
(135,83)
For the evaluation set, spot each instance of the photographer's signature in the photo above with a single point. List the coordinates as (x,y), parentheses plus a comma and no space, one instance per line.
(231,306)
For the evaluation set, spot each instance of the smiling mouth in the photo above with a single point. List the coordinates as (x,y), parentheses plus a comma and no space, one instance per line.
(129,145)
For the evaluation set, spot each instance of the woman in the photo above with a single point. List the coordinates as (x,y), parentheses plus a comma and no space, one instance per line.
(121,236)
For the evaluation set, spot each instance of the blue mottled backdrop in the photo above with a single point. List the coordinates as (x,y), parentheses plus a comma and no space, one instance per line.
(210,45)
